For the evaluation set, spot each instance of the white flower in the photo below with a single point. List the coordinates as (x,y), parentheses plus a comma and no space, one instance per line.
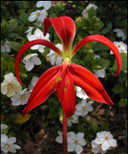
(105,139)
(121,46)
(3,127)
(38,34)
(100,73)
(21,98)
(81,93)
(120,33)
(74,119)
(10,86)
(83,108)
(96,148)
(31,60)
(33,82)
(7,144)
(85,11)
(5,47)
(45,4)
(38,16)
(59,139)
(55,58)
(29,31)
(75,142)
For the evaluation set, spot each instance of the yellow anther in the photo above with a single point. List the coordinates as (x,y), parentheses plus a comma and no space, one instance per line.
(51,87)
(68,82)
(64,89)
(58,79)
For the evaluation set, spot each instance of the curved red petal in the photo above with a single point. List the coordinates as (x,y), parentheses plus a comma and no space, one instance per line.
(66,94)
(45,86)
(64,27)
(90,84)
(27,46)
(105,41)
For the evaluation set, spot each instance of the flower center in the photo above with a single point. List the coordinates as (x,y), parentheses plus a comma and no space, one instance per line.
(38,14)
(106,138)
(84,108)
(9,86)
(6,146)
(76,142)
(67,60)
(118,45)
(23,97)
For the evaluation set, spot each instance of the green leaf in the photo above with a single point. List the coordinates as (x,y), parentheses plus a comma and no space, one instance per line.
(118,89)
(12,25)
(15,46)
(23,17)
(94,126)
(123,102)
(91,12)
(107,29)
(124,63)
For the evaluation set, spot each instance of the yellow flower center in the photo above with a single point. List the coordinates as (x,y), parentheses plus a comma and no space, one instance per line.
(23,97)
(84,108)
(38,14)
(76,142)
(6,146)
(9,86)
(118,45)
(106,138)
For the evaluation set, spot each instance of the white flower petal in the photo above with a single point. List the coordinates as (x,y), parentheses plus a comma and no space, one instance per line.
(4,138)
(9,77)
(80,136)
(11,140)
(29,65)
(32,17)
(59,139)
(40,3)
(78,149)
(71,147)
(105,145)
(17,146)
(36,60)
(99,140)
(112,142)
(82,142)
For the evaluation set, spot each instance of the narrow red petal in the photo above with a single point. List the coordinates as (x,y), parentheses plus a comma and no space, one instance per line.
(44,87)
(66,94)
(104,41)
(64,27)
(27,46)
(90,84)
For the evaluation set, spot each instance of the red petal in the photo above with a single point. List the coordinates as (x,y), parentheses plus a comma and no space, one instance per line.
(64,27)
(44,87)
(27,46)
(104,41)
(66,94)
(90,84)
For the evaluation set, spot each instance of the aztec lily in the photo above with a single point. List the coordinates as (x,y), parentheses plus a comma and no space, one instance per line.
(62,78)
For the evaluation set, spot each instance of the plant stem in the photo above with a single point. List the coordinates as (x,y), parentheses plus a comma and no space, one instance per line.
(65,119)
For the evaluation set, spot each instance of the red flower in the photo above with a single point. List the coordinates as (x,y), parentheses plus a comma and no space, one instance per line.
(62,78)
